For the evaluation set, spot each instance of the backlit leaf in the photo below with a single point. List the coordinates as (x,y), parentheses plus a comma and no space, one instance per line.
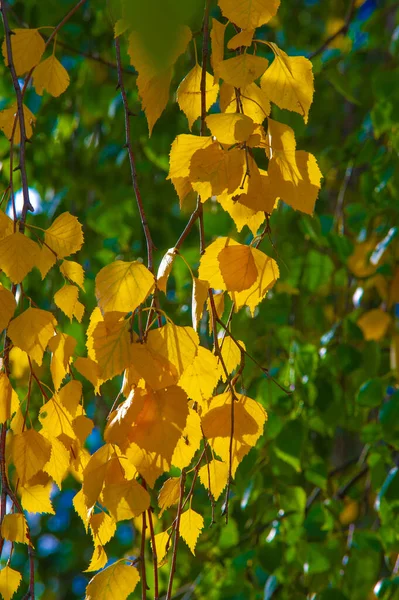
(181,152)
(112,346)
(65,235)
(374,324)
(50,76)
(27,47)
(165,269)
(102,527)
(18,256)
(237,266)
(67,300)
(36,498)
(9,400)
(7,119)
(123,286)
(214,476)
(9,582)
(189,442)
(7,306)
(191,525)
(255,103)
(98,560)
(31,331)
(169,494)
(217,40)
(201,377)
(243,38)
(200,294)
(30,451)
(15,528)
(189,94)
(73,271)
(126,500)
(240,71)
(58,465)
(62,347)
(230,128)
(115,582)
(249,14)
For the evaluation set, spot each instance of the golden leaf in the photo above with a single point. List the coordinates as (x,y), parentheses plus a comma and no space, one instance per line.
(30,452)
(374,324)
(18,255)
(191,524)
(189,94)
(89,369)
(9,403)
(214,170)
(50,76)
(27,47)
(112,345)
(123,286)
(169,494)
(31,331)
(240,71)
(67,300)
(288,82)
(58,465)
(65,235)
(165,269)
(249,14)
(242,215)
(255,103)
(55,418)
(6,225)
(102,527)
(36,498)
(181,152)
(201,377)
(9,582)
(98,560)
(178,345)
(7,307)
(73,271)
(231,354)
(7,119)
(45,260)
(126,500)
(243,38)
(214,477)
(62,347)
(237,266)
(14,528)
(217,41)
(115,582)
(200,294)
(161,542)
(230,128)
(189,442)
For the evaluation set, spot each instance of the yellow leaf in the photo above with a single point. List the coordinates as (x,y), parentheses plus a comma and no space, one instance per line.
(19,362)
(162,545)
(201,377)
(242,215)
(183,148)
(217,41)
(6,225)
(231,354)
(288,82)
(240,71)
(55,418)
(67,300)
(249,14)
(191,525)
(82,427)
(50,76)
(155,369)
(214,476)
(237,266)
(112,346)
(255,104)
(165,269)
(88,368)
(374,324)
(98,560)
(14,528)
(9,402)
(65,235)
(123,286)
(126,500)
(31,332)
(94,474)
(359,262)
(30,452)
(249,420)
(45,260)
(230,128)
(7,307)
(80,507)
(214,170)
(218,300)
(116,582)
(27,47)
(149,464)
(73,271)
(200,294)
(169,494)
(176,344)
(102,527)
(7,119)
(62,347)
(153,84)
(189,442)
(18,255)
(58,465)
(70,397)
(9,582)
(189,94)
(243,38)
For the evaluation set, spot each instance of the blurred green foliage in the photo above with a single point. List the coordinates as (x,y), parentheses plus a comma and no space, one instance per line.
(314,511)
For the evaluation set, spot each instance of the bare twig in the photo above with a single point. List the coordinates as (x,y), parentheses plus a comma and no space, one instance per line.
(341,31)
(177,535)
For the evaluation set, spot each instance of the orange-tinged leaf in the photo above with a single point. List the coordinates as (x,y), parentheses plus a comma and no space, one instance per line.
(249,420)
(82,426)
(288,82)
(189,442)
(18,256)
(189,94)
(214,476)
(176,344)
(50,76)
(255,103)
(181,153)
(30,451)
(154,368)
(94,474)
(214,170)
(200,294)
(217,41)
(58,465)
(73,271)
(27,47)
(169,494)
(126,500)
(249,14)
(102,527)
(112,346)
(62,347)
(237,266)
(230,128)
(165,269)
(9,582)
(65,235)
(201,377)
(240,71)
(7,119)
(67,300)
(116,582)
(89,369)
(98,560)
(243,38)
(7,307)
(31,331)
(45,260)
(374,324)
(9,402)
(191,525)
(123,286)
(149,464)
(36,498)
(14,528)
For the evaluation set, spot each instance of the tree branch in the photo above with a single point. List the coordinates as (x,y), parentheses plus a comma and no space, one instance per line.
(341,31)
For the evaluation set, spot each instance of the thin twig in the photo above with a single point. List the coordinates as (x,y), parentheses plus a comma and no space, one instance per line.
(341,31)
(142,558)
(177,535)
